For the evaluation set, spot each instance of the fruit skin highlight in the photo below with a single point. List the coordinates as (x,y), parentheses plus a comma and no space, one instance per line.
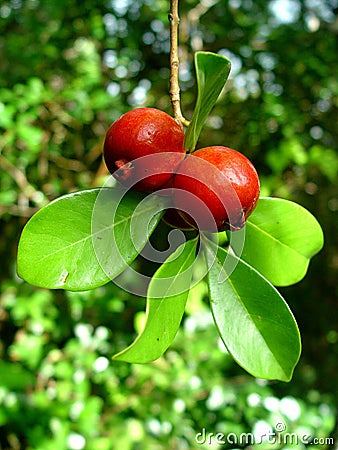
(227,183)
(140,133)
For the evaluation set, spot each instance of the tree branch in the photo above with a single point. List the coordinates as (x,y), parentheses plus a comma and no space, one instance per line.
(174,90)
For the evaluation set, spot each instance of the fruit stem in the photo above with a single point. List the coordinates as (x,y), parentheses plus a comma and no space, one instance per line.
(174,90)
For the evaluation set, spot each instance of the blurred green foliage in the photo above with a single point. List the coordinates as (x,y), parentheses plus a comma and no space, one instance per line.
(68,69)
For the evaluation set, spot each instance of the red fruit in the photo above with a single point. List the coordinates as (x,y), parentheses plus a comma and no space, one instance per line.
(217,188)
(143,148)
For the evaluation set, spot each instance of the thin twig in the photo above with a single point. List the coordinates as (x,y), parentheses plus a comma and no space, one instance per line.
(193,18)
(174,90)
(19,177)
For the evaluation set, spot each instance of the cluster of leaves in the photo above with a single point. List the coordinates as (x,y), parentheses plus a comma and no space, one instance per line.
(59,249)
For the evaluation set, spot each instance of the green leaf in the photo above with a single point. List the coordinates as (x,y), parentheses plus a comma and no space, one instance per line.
(281,238)
(85,239)
(253,320)
(212,72)
(167,295)
(14,376)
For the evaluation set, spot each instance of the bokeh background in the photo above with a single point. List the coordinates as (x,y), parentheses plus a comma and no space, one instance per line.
(67,70)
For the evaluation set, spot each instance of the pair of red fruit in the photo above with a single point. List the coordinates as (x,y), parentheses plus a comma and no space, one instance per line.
(213,189)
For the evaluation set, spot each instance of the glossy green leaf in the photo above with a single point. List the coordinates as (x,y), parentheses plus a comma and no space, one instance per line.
(85,239)
(167,295)
(253,320)
(281,238)
(212,71)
